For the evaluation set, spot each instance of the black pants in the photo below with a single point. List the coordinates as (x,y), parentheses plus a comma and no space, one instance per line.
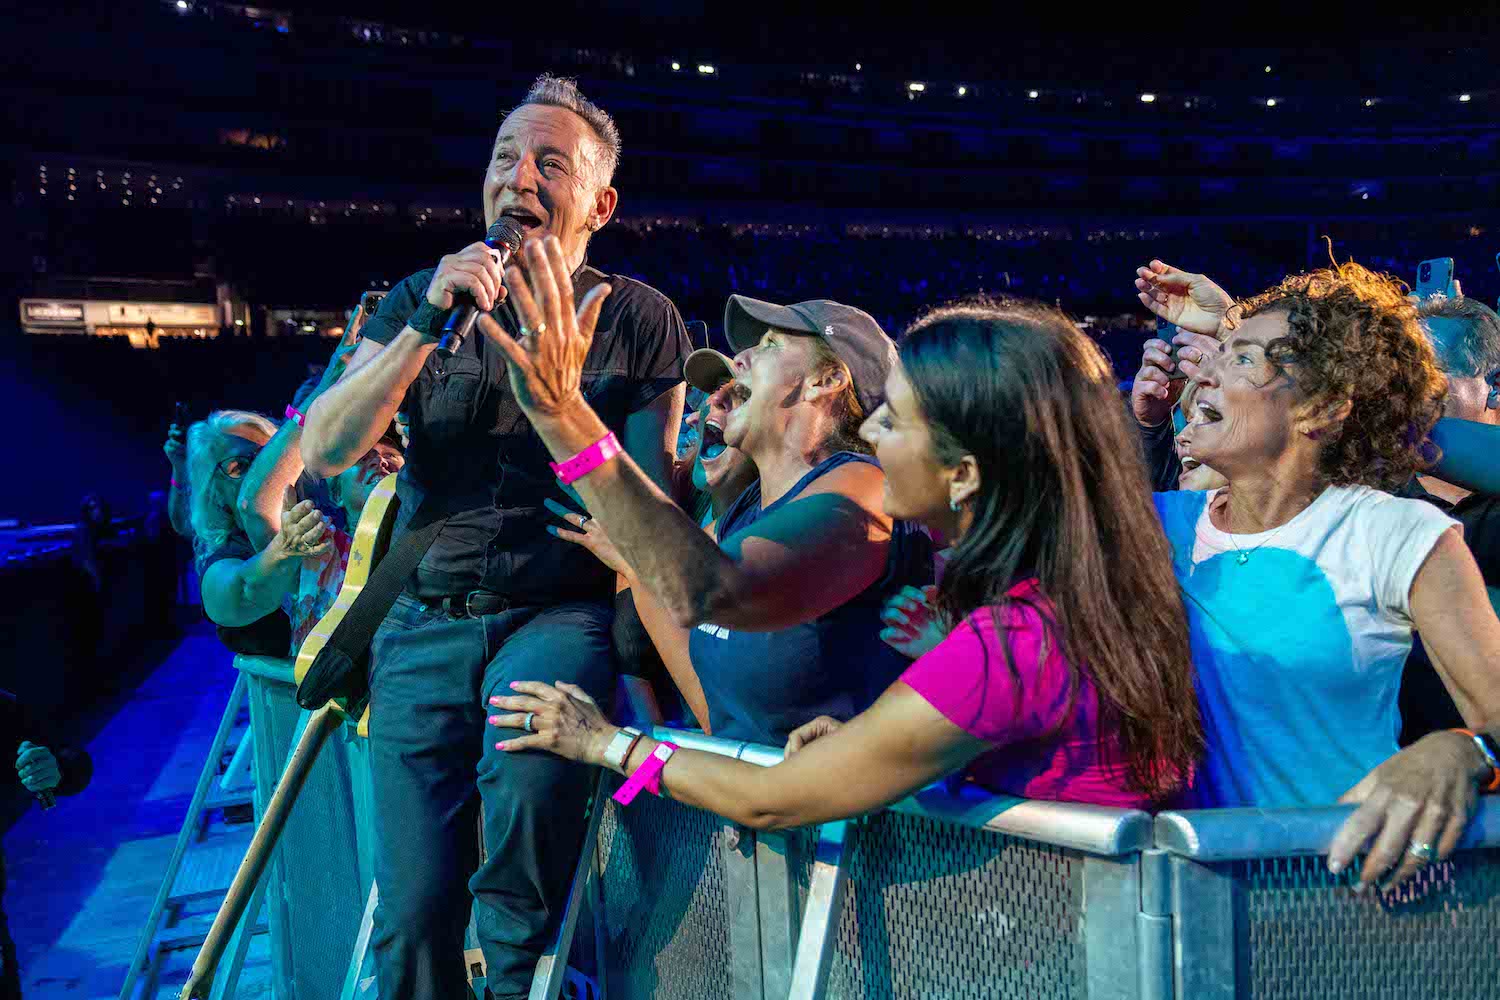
(434,766)
(10,973)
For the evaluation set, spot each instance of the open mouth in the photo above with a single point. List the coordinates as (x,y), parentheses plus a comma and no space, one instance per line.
(712,444)
(526,219)
(1189,464)
(738,395)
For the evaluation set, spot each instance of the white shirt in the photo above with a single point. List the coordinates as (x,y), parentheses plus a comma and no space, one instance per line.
(1299,636)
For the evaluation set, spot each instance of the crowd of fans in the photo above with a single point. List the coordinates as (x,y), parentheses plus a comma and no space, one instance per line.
(962,554)
(1305,422)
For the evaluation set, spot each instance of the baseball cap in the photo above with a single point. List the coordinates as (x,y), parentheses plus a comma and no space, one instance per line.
(852,334)
(707,369)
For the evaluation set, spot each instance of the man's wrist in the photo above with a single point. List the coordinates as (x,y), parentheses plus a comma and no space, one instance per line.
(428,320)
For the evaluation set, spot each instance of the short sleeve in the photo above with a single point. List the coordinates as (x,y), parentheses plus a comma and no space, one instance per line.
(396,308)
(967,679)
(1400,535)
(659,347)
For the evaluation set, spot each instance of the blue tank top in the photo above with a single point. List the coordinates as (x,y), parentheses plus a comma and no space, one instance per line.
(761,685)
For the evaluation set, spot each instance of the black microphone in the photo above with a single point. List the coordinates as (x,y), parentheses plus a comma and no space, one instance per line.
(503,239)
(46,798)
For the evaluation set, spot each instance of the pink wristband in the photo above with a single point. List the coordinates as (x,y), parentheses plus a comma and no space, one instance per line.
(293,414)
(647,776)
(176,485)
(587,460)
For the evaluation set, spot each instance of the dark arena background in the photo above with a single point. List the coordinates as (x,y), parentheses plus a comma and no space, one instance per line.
(199,193)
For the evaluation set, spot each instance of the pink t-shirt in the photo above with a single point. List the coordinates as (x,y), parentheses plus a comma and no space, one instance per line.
(966,678)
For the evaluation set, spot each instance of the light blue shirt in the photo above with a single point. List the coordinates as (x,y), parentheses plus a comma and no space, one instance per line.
(1299,636)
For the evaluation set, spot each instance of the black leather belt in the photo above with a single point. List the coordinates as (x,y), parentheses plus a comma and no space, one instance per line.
(474,604)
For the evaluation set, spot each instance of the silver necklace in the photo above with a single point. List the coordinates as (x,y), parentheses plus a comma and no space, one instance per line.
(1244,554)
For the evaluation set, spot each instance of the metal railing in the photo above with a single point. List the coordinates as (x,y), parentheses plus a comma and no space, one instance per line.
(962,894)
(955,893)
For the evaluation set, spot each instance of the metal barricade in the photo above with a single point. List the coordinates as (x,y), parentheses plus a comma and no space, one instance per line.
(947,894)
(320,878)
(942,895)
(1253,911)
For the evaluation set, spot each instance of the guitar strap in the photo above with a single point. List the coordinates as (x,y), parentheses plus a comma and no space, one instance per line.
(340,670)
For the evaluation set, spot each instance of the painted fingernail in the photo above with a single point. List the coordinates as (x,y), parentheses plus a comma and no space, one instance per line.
(494,720)
(515,684)
(499,746)
(495,701)
(1335,866)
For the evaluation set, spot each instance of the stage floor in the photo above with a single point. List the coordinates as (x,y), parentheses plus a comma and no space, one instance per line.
(83,876)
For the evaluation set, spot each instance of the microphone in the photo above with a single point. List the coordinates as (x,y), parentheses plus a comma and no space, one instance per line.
(46,798)
(503,239)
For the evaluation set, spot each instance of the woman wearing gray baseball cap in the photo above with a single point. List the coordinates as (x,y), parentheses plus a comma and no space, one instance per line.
(779,603)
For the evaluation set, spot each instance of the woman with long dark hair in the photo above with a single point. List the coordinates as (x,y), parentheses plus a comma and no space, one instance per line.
(1067,674)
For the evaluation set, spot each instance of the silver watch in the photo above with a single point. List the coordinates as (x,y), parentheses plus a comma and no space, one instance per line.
(619,747)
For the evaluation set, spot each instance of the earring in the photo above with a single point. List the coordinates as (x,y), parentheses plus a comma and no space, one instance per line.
(953,505)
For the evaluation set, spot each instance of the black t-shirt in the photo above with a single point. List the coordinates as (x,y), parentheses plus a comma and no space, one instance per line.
(1426,705)
(268,636)
(474,454)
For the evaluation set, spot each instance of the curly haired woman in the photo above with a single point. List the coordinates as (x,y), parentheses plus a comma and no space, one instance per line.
(1304,581)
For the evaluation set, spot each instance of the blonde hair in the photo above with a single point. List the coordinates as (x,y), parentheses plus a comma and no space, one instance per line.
(213,516)
(846,412)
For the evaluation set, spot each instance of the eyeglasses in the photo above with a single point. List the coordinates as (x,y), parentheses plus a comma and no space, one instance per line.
(235,466)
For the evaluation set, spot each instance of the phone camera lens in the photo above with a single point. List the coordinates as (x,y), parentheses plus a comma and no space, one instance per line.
(1425,273)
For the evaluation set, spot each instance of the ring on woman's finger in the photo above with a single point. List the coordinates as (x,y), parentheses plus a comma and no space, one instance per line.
(1423,852)
(527,724)
(541,328)
(583,520)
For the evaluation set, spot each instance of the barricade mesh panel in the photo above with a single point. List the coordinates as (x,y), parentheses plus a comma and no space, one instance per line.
(940,912)
(666,912)
(316,855)
(1304,934)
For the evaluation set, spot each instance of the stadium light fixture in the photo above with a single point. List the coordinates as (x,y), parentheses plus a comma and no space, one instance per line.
(916,87)
(1148,98)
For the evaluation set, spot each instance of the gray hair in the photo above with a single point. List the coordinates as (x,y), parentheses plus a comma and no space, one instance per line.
(1476,351)
(563,92)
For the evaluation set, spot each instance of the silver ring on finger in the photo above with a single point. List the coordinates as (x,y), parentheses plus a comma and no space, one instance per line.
(527,724)
(541,328)
(584,520)
(1423,852)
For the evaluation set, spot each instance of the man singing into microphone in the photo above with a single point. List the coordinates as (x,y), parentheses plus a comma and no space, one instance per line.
(496,598)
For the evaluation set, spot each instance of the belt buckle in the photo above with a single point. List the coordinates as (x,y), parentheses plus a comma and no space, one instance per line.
(469,600)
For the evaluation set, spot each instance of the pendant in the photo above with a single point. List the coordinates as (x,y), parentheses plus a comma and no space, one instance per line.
(1244,558)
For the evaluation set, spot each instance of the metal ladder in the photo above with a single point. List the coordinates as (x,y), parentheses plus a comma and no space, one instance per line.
(203,862)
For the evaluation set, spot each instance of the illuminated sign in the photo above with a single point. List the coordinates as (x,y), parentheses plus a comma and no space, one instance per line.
(49,311)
